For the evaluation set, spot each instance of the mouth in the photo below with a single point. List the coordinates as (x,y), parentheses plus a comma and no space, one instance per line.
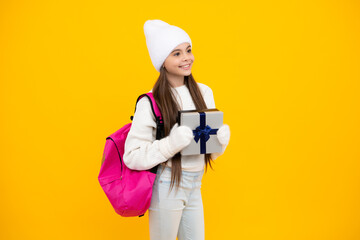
(185,67)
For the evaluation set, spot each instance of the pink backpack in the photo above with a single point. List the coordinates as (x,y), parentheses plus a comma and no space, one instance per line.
(129,191)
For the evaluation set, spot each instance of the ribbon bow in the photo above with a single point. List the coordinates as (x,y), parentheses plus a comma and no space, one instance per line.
(201,132)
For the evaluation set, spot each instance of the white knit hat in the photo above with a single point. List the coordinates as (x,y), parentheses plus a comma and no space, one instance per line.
(161,39)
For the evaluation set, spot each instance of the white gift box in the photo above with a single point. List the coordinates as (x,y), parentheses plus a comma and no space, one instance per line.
(204,125)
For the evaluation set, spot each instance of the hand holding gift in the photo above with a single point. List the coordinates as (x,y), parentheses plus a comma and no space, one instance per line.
(178,138)
(223,137)
(223,134)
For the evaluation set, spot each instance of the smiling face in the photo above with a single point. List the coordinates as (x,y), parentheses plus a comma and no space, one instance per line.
(180,61)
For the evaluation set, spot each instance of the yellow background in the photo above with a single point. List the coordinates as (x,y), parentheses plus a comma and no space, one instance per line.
(285,73)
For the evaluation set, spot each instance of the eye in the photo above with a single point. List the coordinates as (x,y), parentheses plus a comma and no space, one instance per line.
(189,50)
(176,54)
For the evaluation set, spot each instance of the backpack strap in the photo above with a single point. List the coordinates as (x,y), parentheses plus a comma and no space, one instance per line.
(157,114)
(159,122)
(154,107)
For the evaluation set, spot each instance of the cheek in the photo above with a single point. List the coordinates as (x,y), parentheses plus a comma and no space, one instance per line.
(176,64)
(173,62)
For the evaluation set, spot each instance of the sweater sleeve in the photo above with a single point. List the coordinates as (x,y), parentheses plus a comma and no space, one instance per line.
(141,149)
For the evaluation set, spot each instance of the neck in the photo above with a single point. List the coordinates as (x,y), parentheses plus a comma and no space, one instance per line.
(175,80)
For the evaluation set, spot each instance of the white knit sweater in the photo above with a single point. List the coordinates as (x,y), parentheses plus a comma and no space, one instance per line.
(142,150)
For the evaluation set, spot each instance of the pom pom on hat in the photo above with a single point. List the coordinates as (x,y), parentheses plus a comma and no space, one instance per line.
(161,39)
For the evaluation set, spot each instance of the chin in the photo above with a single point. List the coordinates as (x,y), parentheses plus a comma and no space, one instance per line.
(185,73)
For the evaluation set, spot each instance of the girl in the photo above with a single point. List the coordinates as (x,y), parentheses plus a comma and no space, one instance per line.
(173,212)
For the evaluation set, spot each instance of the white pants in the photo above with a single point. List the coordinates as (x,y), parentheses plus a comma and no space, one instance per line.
(177,214)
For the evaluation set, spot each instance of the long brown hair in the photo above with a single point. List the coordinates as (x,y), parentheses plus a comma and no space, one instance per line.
(169,107)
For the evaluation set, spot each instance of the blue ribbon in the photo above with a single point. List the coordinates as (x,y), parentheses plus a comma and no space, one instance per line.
(203,133)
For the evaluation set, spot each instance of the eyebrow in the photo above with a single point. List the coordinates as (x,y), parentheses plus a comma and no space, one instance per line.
(180,49)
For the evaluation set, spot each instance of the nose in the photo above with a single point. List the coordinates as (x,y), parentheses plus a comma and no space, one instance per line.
(186,58)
